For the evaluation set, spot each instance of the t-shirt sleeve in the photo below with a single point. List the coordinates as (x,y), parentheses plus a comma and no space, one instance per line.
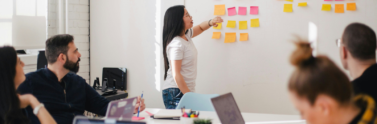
(175,50)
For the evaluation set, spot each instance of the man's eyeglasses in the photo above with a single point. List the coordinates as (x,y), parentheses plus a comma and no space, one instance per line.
(338,42)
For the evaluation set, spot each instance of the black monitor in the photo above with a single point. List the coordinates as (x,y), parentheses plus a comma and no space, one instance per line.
(42,61)
(119,74)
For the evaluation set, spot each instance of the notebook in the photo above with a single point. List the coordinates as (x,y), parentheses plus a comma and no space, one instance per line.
(174,114)
(227,109)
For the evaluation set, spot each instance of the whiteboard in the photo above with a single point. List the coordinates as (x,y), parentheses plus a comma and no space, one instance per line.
(257,71)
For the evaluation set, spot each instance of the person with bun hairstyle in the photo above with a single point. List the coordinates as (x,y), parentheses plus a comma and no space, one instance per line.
(323,93)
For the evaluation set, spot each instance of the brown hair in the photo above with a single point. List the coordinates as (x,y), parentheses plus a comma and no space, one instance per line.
(360,40)
(317,75)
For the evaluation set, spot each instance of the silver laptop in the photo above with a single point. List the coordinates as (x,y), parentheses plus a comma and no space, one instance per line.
(227,109)
(85,120)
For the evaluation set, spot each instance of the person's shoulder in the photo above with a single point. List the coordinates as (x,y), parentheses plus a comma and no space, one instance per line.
(176,42)
(76,77)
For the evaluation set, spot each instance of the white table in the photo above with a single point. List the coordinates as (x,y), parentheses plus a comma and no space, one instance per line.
(250,118)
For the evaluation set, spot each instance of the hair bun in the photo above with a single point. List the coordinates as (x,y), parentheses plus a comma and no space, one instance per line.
(302,53)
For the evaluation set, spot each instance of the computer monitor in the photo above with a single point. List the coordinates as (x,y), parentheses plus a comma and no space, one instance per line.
(119,74)
(42,61)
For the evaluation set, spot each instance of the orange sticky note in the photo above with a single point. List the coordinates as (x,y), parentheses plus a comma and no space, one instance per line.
(244,36)
(351,6)
(216,35)
(230,37)
(326,7)
(339,8)
(254,22)
(219,9)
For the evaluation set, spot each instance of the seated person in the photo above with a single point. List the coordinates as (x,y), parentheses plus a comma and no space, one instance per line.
(323,93)
(11,103)
(358,56)
(64,93)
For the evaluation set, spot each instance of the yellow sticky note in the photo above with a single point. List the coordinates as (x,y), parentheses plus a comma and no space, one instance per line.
(254,22)
(216,35)
(230,37)
(302,4)
(326,7)
(218,26)
(289,0)
(244,36)
(351,6)
(339,8)
(243,25)
(288,8)
(219,9)
(231,24)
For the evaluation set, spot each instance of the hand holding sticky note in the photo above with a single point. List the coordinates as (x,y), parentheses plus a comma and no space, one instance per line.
(326,7)
(339,8)
(288,8)
(232,11)
(231,24)
(244,36)
(219,9)
(216,35)
(230,37)
(254,22)
(218,26)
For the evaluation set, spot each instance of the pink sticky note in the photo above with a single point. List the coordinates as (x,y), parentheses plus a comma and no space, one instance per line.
(328,0)
(254,10)
(339,0)
(232,11)
(242,10)
(137,118)
(150,114)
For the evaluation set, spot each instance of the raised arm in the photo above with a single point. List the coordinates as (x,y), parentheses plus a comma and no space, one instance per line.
(205,25)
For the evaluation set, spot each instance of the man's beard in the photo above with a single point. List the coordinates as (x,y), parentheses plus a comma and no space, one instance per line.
(72,66)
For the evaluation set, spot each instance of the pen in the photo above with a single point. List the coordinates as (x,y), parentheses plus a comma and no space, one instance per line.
(138,110)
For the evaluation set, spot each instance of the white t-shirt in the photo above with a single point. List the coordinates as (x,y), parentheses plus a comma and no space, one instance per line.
(180,49)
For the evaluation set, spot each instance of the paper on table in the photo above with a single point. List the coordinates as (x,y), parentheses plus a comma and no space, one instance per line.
(218,26)
(230,37)
(219,9)
(216,35)
(339,8)
(244,36)
(254,22)
(326,7)
(254,10)
(243,25)
(288,8)
(231,24)
(302,4)
(351,6)
(242,10)
(232,11)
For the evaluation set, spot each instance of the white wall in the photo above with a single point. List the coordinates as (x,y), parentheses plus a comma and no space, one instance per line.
(127,34)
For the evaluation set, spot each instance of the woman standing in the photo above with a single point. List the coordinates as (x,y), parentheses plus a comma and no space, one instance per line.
(180,54)
(11,103)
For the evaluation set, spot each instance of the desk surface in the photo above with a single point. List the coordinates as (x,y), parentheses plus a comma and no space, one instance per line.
(250,118)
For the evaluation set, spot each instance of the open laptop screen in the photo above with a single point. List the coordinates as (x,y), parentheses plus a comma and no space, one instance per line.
(227,109)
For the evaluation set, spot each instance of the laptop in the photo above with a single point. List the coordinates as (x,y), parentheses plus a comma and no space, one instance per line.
(85,120)
(227,109)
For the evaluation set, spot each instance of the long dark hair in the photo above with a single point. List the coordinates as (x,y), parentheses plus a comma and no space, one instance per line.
(173,26)
(10,111)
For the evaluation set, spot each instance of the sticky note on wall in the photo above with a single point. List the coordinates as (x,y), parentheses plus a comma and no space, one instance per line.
(230,37)
(242,10)
(326,7)
(231,24)
(218,26)
(254,22)
(243,25)
(289,0)
(244,36)
(232,11)
(254,10)
(339,8)
(288,8)
(303,4)
(219,9)
(351,6)
(216,35)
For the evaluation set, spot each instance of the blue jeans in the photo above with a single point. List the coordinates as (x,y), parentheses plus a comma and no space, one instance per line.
(171,97)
